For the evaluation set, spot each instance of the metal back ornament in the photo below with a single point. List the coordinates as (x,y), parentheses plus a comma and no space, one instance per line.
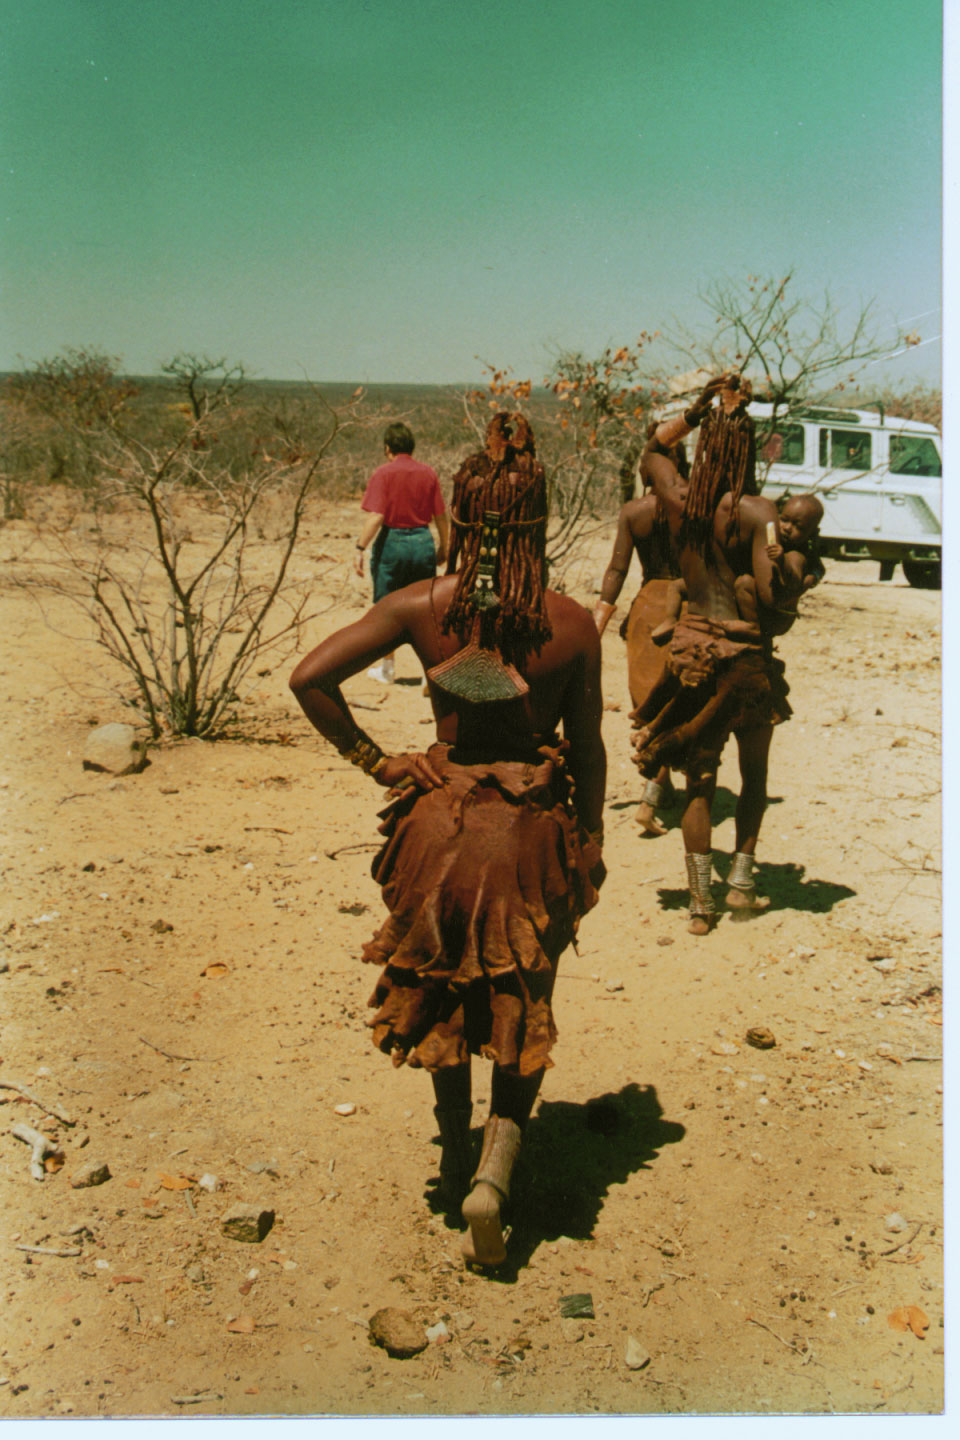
(478,672)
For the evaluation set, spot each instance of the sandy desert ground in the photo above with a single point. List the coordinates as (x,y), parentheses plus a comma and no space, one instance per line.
(179,978)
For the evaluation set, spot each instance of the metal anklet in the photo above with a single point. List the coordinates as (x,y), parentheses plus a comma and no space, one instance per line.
(740,876)
(699,871)
(652,794)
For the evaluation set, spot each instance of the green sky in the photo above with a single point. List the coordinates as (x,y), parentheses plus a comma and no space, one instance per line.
(386,189)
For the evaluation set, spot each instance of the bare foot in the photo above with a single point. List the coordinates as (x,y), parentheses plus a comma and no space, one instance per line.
(483,1242)
(646,818)
(701,924)
(447,1191)
(746,902)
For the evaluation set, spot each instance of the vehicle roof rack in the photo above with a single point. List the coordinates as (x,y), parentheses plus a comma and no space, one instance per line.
(818,412)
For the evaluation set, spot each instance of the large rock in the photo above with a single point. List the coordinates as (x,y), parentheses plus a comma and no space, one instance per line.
(114,749)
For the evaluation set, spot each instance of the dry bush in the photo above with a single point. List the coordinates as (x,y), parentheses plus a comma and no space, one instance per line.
(588,421)
(184,570)
(72,401)
(920,402)
(26,441)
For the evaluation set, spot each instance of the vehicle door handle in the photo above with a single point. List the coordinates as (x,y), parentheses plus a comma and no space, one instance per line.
(898,499)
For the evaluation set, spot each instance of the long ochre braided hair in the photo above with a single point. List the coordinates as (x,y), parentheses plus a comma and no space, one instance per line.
(661,523)
(726,459)
(505,477)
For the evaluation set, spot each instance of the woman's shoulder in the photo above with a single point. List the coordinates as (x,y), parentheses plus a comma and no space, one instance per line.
(559,600)
(436,591)
(574,619)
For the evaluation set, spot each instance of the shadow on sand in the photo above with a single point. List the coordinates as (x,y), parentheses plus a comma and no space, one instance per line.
(572,1154)
(784,885)
(724,806)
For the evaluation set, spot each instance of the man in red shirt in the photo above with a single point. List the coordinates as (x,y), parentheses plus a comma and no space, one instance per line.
(401,499)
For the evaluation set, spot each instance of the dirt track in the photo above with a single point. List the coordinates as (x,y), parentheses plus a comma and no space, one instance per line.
(727,1207)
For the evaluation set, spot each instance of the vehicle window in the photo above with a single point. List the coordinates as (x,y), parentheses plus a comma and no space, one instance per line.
(784,446)
(846,449)
(913,455)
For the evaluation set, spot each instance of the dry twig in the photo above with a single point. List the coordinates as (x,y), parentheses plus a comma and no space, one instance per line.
(170,1056)
(46,1250)
(41,1146)
(61,1115)
(789,1344)
(349,849)
(909,1241)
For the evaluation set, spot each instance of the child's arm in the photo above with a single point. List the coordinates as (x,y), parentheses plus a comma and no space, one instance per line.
(675,595)
(794,569)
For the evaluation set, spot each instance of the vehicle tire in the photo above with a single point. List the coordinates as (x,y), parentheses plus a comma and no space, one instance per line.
(922,574)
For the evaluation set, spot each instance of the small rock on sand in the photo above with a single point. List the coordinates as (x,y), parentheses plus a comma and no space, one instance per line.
(248,1223)
(397,1332)
(636,1357)
(95,1172)
(114,749)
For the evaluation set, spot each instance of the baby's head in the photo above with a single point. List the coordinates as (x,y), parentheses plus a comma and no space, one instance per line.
(800,521)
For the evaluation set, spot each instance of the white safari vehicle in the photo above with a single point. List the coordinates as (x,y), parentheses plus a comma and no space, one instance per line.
(877,476)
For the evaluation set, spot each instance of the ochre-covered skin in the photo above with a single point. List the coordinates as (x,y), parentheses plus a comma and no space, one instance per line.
(563,677)
(487,866)
(728,540)
(722,678)
(642,530)
(485,879)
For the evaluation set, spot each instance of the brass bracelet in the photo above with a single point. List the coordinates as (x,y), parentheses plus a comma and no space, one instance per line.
(366,753)
(671,432)
(602,612)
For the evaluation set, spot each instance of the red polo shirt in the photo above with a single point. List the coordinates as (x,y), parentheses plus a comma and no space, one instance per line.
(405,492)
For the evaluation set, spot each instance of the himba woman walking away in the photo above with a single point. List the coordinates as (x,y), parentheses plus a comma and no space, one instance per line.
(493,837)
